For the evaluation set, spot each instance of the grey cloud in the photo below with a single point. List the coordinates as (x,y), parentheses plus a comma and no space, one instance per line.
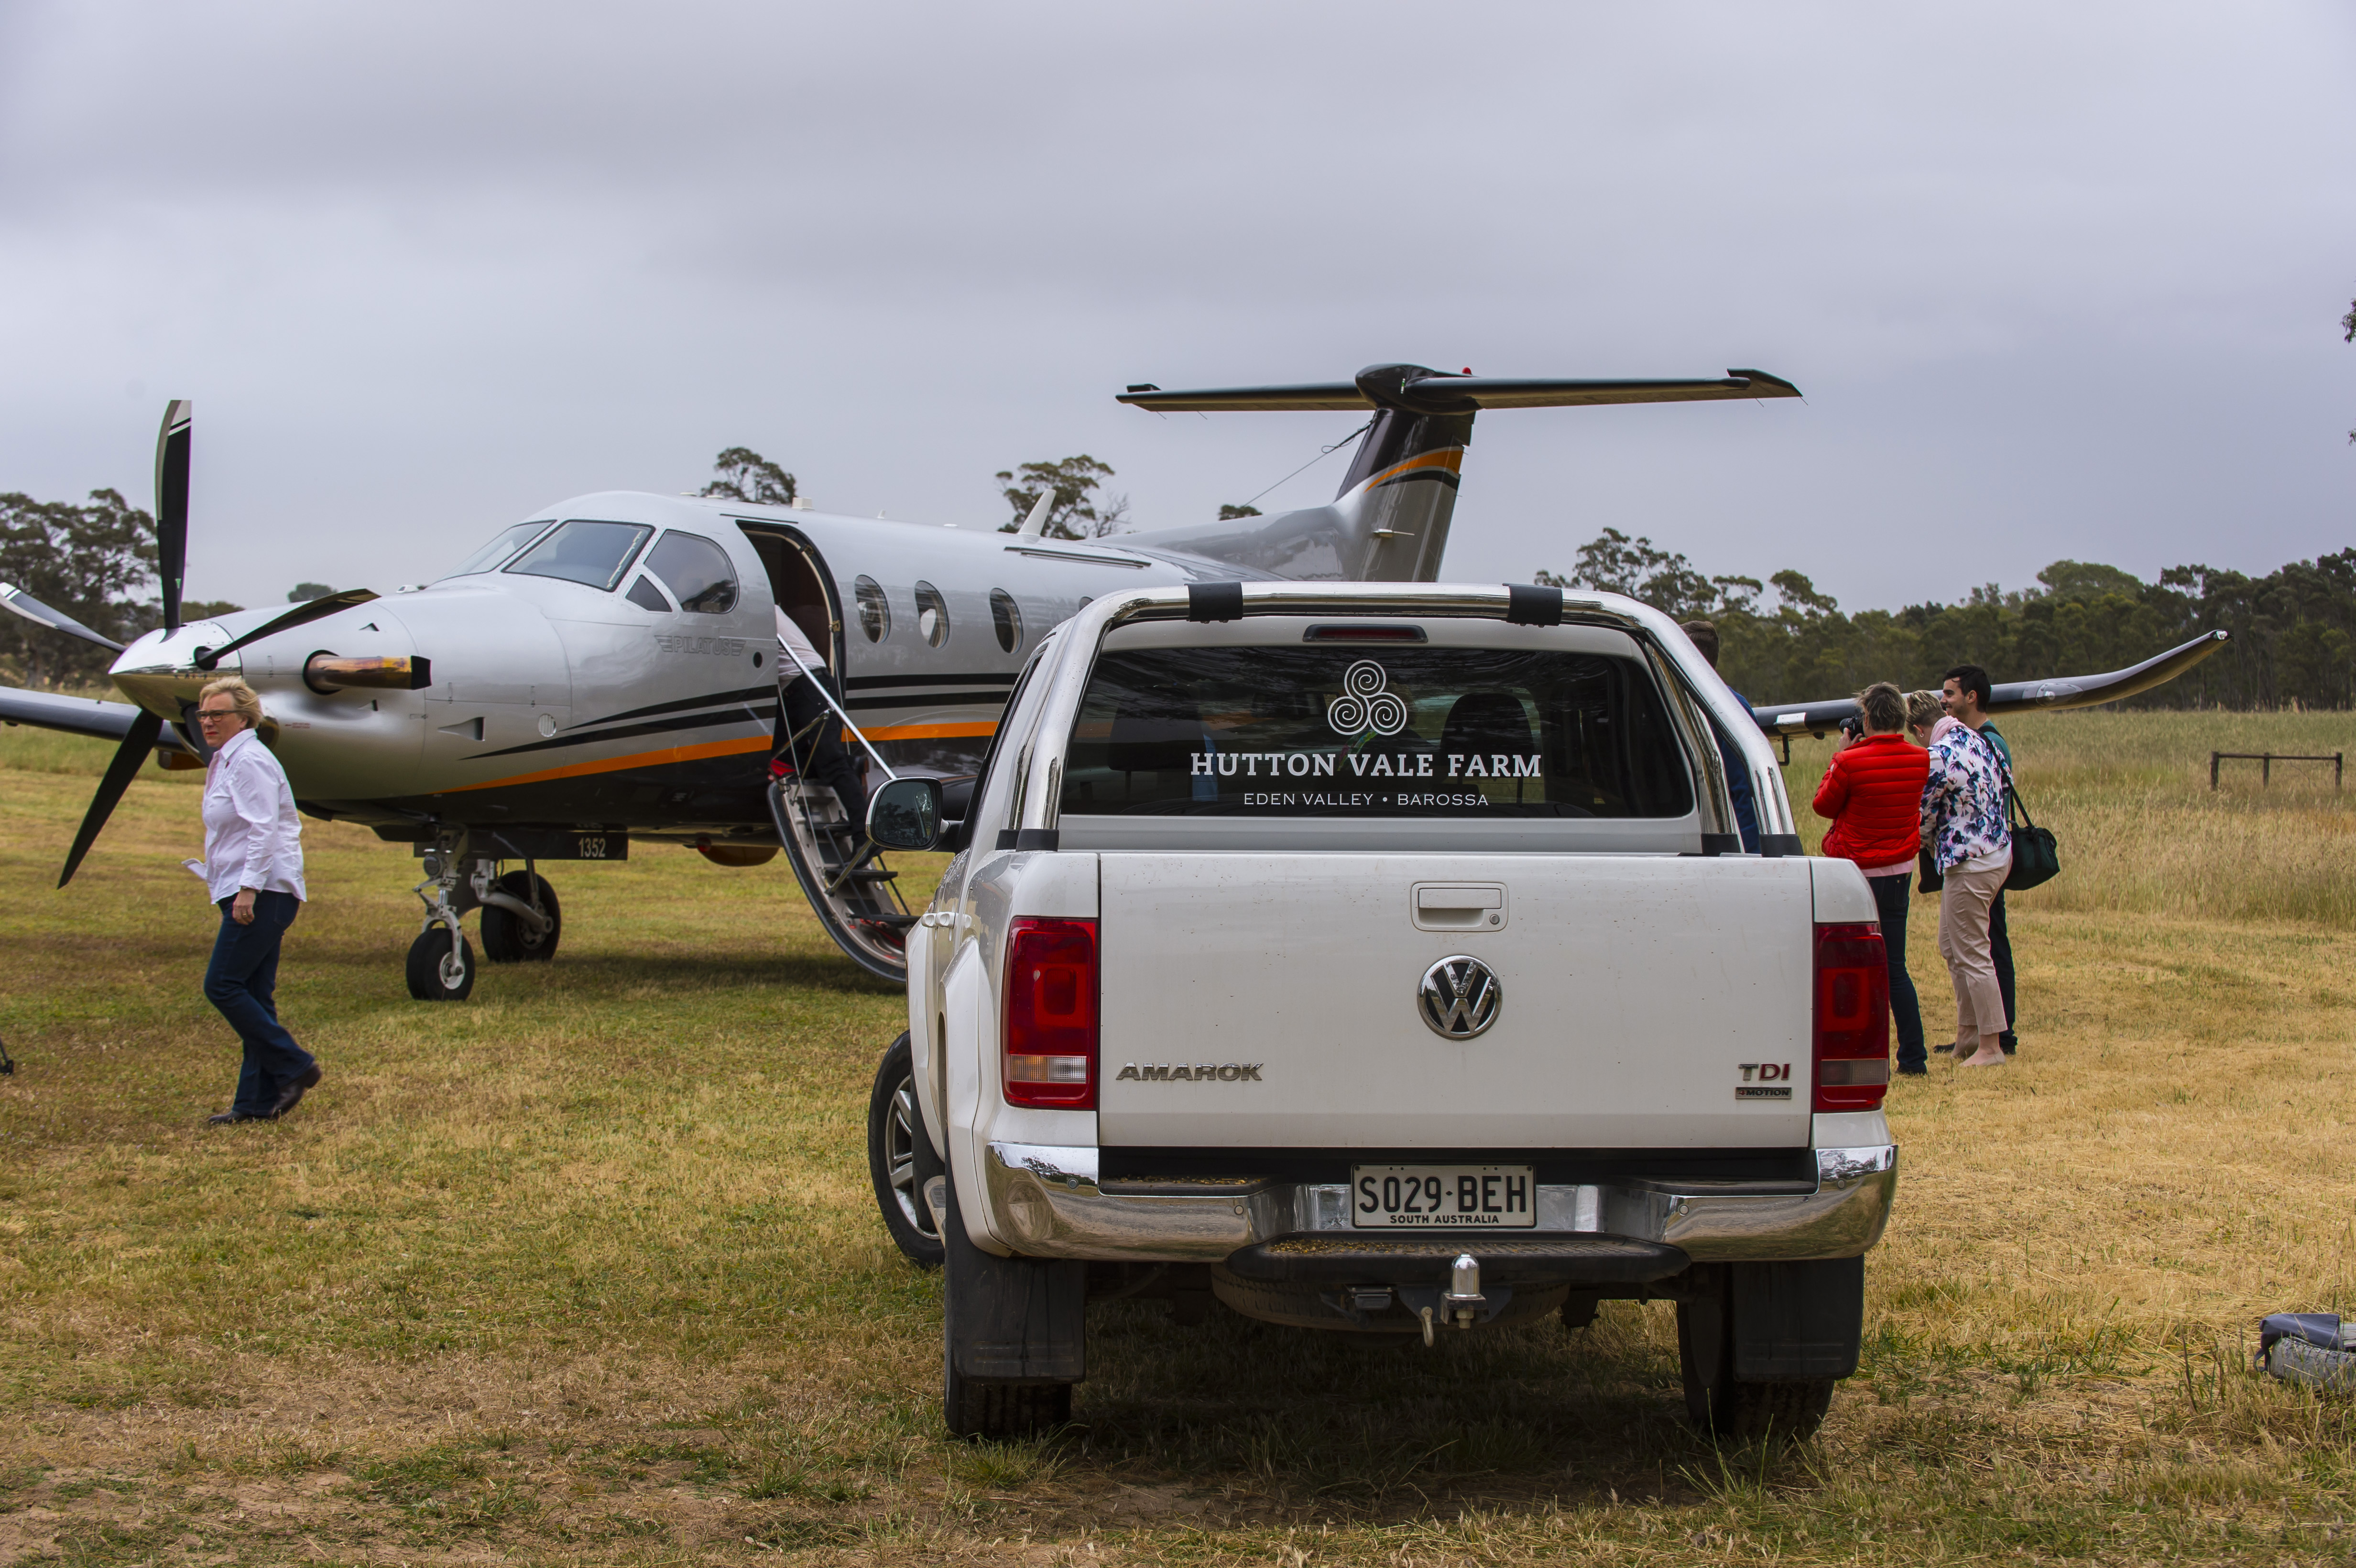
(2058,279)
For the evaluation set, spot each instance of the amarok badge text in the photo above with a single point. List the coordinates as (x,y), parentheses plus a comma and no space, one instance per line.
(1200,1073)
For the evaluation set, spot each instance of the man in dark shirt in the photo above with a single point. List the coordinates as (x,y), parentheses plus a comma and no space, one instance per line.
(1738,772)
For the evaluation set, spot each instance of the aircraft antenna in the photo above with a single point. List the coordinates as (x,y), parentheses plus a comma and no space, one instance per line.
(1322,454)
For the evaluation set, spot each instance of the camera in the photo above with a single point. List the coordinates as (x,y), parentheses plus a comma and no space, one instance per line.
(1853,727)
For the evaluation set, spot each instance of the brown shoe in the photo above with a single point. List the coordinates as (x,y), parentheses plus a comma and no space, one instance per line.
(293,1095)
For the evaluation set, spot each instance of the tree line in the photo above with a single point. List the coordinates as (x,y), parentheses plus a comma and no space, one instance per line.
(2294,630)
(95,560)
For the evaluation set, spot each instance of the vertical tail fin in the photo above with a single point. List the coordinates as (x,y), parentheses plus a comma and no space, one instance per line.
(1400,491)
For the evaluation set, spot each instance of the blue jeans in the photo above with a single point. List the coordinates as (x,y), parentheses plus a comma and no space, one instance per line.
(242,982)
(1890,896)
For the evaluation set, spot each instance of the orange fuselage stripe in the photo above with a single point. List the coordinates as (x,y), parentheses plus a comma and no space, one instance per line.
(666,755)
(655,759)
(925,731)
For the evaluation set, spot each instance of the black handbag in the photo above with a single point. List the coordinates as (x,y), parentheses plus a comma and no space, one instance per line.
(2035,856)
(1926,865)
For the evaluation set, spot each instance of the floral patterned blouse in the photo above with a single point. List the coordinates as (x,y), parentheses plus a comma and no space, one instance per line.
(1962,800)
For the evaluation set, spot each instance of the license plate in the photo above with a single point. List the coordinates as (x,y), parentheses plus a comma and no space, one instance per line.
(1442,1197)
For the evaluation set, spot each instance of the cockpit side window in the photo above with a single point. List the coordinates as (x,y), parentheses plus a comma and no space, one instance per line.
(493,555)
(592,553)
(696,572)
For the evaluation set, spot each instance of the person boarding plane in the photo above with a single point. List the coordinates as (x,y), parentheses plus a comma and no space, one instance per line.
(607,671)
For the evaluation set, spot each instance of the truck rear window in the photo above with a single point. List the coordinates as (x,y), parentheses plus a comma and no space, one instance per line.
(1310,732)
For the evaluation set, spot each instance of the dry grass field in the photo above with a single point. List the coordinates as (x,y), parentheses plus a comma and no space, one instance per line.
(588,1270)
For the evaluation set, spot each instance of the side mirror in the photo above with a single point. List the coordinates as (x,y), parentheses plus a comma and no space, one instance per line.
(906,814)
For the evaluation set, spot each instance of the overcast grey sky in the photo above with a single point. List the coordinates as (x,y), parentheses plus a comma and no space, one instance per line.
(2058,281)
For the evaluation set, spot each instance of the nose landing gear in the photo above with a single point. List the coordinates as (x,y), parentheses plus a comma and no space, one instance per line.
(521,920)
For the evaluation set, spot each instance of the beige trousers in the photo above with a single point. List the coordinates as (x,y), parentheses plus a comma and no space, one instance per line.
(1963,943)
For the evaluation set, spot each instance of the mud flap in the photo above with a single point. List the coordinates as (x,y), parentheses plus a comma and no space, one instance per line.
(1796,1322)
(1013,1320)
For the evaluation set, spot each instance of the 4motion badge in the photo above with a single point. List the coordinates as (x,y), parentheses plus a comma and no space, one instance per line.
(1459,997)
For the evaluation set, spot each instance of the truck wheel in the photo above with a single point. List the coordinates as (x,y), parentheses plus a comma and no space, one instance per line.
(900,1158)
(1733,1411)
(1022,1319)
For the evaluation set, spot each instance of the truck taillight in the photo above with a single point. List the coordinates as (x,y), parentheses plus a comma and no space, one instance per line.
(1852,1018)
(1050,1041)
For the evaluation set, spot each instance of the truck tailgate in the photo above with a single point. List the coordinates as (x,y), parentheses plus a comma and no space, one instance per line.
(1635,990)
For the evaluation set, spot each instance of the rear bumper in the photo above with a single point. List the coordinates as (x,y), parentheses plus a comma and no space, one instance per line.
(1044,1200)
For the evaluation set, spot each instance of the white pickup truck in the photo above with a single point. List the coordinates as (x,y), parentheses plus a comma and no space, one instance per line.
(1383,959)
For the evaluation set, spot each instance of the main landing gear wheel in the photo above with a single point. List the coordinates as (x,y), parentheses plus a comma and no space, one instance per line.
(436,973)
(900,1158)
(508,938)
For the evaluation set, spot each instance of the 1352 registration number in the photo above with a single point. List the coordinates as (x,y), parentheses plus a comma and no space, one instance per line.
(1442,1197)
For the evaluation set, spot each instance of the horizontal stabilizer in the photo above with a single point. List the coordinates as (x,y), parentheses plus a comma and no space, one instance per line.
(1337,395)
(1429,392)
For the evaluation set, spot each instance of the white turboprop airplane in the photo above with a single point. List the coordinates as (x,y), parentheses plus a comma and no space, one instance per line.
(605,671)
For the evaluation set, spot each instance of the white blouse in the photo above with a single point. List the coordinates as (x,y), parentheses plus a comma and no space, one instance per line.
(253,839)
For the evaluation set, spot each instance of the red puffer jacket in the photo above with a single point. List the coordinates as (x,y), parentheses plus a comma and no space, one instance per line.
(1873,793)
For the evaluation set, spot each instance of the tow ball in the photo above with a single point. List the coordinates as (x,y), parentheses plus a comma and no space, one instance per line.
(1463,1301)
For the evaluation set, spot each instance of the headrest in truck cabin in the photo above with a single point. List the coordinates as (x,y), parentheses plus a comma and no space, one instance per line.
(1487,722)
(1166,738)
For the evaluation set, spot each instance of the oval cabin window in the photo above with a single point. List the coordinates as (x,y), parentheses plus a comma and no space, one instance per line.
(932,615)
(874,609)
(1006,619)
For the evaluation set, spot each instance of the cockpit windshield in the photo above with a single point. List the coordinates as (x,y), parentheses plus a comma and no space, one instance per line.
(581,550)
(493,555)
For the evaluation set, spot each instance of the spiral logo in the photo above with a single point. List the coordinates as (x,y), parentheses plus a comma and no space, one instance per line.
(1365,704)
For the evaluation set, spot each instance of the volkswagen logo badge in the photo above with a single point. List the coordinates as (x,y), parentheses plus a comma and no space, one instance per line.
(1459,997)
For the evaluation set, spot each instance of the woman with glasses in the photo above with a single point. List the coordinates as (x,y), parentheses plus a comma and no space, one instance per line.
(253,867)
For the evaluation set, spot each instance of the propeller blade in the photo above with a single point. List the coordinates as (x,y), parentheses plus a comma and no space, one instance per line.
(15,597)
(136,743)
(311,610)
(172,507)
(193,732)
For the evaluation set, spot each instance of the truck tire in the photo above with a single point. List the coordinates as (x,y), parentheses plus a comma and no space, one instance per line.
(1790,1330)
(900,1156)
(1013,1337)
